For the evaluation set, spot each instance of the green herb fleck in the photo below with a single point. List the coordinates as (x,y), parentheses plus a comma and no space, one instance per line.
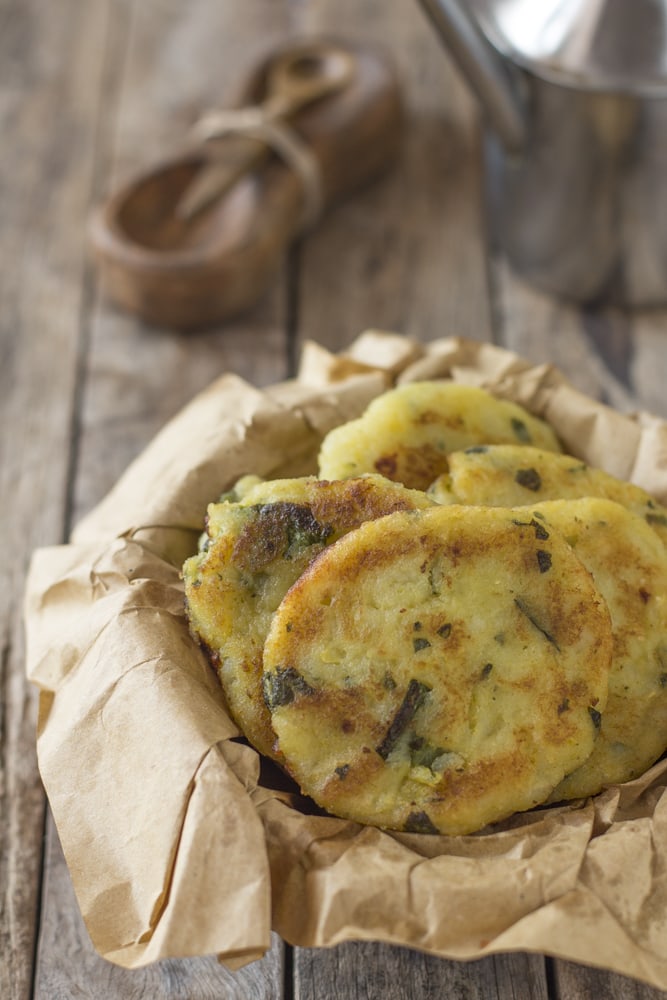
(530,479)
(388,682)
(342,771)
(412,702)
(595,716)
(543,560)
(486,670)
(423,754)
(541,532)
(477,449)
(534,621)
(521,431)
(275,530)
(283,686)
(660,519)
(419,644)
(435,577)
(661,656)
(564,705)
(304,530)
(417,626)
(420,822)
(445,630)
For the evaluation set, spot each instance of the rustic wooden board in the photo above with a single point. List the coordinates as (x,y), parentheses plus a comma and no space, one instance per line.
(137,377)
(621,359)
(88,93)
(360,970)
(133,379)
(49,97)
(408,253)
(576,982)
(591,349)
(69,967)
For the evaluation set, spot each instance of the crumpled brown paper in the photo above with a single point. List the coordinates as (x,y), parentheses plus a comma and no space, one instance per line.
(179,842)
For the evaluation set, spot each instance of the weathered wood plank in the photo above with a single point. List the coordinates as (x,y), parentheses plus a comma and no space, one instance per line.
(542,328)
(166,65)
(81,973)
(137,377)
(407,253)
(372,262)
(617,356)
(359,970)
(620,358)
(648,363)
(577,982)
(521,977)
(49,92)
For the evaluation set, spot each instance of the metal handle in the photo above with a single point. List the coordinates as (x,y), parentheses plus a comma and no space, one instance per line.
(482,67)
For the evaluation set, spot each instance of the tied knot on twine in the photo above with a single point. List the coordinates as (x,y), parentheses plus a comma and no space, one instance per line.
(274,132)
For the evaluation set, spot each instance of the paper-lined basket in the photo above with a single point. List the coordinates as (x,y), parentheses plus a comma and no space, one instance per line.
(180,841)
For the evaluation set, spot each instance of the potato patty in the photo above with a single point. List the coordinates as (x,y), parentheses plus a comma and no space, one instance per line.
(504,475)
(630,571)
(407,433)
(438,670)
(254,551)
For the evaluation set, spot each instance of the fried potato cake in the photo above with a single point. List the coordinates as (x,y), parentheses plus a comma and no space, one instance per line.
(407,433)
(255,548)
(630,571)
(438,670)
(505,475)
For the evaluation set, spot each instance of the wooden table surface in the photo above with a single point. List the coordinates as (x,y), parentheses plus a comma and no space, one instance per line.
(88,92)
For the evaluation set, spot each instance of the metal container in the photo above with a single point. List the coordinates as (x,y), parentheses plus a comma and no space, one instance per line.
(575,96)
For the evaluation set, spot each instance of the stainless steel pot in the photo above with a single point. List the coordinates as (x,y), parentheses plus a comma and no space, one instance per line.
(575,95)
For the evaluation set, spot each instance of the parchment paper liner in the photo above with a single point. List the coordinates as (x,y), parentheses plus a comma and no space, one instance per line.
(175,843)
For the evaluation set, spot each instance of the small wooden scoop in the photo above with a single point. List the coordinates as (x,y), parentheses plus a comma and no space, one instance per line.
(196,240)
(295,80)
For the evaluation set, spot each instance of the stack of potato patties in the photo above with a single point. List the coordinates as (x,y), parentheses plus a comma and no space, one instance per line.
(454,622)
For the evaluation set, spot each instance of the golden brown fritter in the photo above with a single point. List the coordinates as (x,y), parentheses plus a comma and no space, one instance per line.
(255,549)
(439,669)
(407,433)
(630,571)
(505,475)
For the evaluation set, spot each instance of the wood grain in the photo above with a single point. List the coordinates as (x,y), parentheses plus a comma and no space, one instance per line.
(620,358)
(617,357)
(408,254)
(363,970)
(577,982)
(137,377)
(81,973)
(49,71)
(421,271)
(541,328)
(134,378)
(88,93)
